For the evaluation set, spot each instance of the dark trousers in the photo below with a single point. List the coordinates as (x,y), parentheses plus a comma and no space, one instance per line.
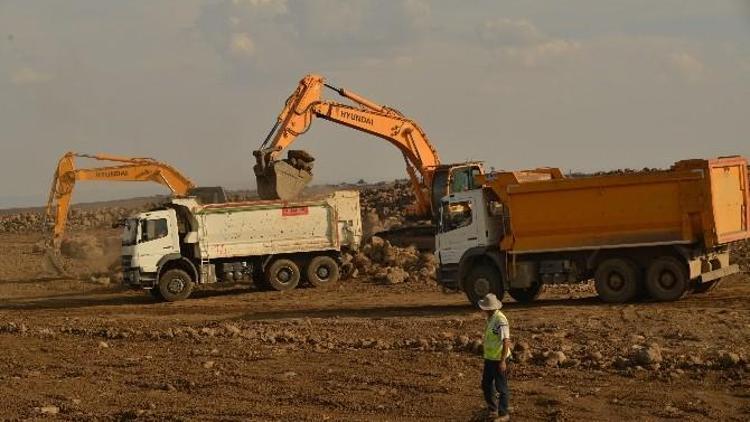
(494,383)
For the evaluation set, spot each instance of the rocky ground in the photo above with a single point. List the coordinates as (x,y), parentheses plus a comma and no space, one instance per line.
(363,351)
(386,344)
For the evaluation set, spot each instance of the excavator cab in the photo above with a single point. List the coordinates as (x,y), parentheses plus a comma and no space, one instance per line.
(208,194)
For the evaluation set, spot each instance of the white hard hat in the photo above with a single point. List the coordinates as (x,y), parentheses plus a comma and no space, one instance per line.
(490,303)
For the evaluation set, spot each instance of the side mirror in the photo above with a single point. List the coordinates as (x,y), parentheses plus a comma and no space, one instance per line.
(496,208)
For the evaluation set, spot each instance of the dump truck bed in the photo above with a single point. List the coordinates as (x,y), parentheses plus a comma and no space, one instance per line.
(258,228)
(696,201)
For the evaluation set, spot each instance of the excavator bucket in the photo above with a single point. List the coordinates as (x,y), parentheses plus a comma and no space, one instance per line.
(280,180)
(283,179)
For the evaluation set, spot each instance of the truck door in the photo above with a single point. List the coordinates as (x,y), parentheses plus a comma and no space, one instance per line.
(157,237)
(458,229)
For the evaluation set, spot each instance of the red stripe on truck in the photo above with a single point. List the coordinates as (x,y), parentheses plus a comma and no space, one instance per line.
(294,211)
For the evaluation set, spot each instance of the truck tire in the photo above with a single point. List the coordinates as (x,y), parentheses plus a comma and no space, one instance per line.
(282,275)
(617,280)
(175,285)
(322,270)
(481,280)
(667,279)
(526,295)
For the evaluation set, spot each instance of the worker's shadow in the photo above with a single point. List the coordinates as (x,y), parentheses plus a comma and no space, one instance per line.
(103,297)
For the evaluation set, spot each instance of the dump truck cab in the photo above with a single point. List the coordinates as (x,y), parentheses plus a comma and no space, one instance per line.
(468,220)
(658,234)
(148,239)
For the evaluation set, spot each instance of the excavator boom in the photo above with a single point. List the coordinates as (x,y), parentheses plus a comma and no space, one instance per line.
(130,170)
(279,179)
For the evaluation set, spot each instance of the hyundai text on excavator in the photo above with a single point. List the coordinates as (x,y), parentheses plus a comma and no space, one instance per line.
(128,170)
(282,179)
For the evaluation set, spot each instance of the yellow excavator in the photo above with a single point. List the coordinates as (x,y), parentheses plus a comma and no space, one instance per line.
(284,179)
(126,170)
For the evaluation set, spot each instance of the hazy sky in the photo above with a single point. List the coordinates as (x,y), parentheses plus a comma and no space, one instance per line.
(577,84)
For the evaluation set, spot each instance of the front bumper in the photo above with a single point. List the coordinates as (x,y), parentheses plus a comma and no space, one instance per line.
(448,276)
(135,279)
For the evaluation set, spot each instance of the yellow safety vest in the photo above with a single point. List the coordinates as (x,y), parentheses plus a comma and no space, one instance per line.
(493,336)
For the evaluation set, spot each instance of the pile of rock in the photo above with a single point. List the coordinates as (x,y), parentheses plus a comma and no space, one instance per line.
(617,172)
(20,223)
(300,159)
(78,219)
(388,264)
(740,254)
(386,204)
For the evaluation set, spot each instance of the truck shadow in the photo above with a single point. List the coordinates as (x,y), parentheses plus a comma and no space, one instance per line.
(35,280)
(400,311)
(102,297)
(72,301)
(95,298)
(360,312)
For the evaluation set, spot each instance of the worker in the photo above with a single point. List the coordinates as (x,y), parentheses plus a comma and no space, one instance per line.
(496,354)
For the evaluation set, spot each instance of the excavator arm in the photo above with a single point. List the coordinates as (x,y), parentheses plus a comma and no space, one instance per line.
(306,103)
(130,170)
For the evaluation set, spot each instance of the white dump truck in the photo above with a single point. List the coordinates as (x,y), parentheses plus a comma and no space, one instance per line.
(169,250)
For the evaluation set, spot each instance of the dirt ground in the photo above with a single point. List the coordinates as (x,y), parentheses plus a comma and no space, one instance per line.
(73,350)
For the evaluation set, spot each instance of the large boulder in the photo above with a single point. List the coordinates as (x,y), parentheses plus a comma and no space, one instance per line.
(648,355)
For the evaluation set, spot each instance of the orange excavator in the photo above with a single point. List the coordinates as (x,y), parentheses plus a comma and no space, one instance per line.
(128,170)
(282,179)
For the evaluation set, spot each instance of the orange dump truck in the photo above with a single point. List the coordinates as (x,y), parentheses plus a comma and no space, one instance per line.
(657,234)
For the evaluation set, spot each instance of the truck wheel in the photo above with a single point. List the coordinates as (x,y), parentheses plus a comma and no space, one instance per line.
(283,274)
(322,270)
(482,280)
(528,294)
(667,279)
(175,285)
(617,280)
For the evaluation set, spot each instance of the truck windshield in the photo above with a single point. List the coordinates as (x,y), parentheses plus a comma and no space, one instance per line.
(130,232)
